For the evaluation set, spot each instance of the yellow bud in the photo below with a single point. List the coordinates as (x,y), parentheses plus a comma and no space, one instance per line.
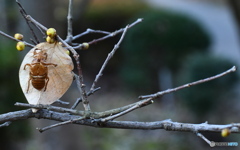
(225,132)
(50,40)
(85,45)
(51,32)
(67,52)
(20,46)
(18,36)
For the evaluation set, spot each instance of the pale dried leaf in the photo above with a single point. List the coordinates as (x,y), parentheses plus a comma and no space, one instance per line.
(60,77)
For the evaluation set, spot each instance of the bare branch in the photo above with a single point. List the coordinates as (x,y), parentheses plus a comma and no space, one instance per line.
(5,124)
(39,25)
(204,138)
(158,94)
(114,113)
(88,31)
(110,55)
(24,14)
(61,102)
(60,124)
(10,37)
(50,107)
(69,18)
(80,99)
(138,105)
(165,124)
(109,34)
(115,33)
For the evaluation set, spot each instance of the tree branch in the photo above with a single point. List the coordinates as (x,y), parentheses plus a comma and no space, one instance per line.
(204,138)
(89,31)
(24,14)
(80,99)
(5,124)
(106,116)
(109,34)
(116,32)
(110,55)
(69,29)
(10,37)
(158,94)
(167,125)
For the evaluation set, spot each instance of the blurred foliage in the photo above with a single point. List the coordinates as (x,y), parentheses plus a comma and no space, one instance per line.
(11,11)
(111,15)
(203,98)
(10,93)
(163,39)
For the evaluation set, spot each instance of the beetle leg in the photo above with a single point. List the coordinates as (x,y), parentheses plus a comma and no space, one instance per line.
(26,65)
(48,64)
(35,51)
(47,78)
(28,84)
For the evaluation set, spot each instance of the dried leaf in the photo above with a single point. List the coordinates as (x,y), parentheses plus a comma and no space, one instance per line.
(60,77)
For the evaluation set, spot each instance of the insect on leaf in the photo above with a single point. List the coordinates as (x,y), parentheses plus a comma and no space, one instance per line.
(45,73)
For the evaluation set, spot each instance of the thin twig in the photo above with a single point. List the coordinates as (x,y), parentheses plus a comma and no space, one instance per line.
(88,31)
(5,124)
(158,94)
(61,102)
(115,33)
(69,19)
(94,115)
(50,107)
(80,99)
(24,14)
(36,23)
(110,55)
(109,34)
(10,37)
(59,124)
(138,105)
(205,139)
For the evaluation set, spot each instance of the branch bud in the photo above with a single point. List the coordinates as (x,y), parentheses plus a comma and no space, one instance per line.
(50,40)
(20,46)
(51,32)
(225,132)
(67,52)
(18,36)
(85,45)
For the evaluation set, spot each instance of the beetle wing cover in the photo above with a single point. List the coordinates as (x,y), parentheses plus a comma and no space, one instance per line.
(60,77)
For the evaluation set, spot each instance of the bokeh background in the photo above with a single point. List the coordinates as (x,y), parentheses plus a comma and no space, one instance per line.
(179,41)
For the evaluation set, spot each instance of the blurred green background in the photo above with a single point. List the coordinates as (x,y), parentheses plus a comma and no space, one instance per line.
(166,50)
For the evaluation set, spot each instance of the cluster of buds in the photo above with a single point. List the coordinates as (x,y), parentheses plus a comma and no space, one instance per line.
(51,38)
(20,45)
(51,35)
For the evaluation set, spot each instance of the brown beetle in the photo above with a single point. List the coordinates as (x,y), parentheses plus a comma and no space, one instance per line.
(39,70)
